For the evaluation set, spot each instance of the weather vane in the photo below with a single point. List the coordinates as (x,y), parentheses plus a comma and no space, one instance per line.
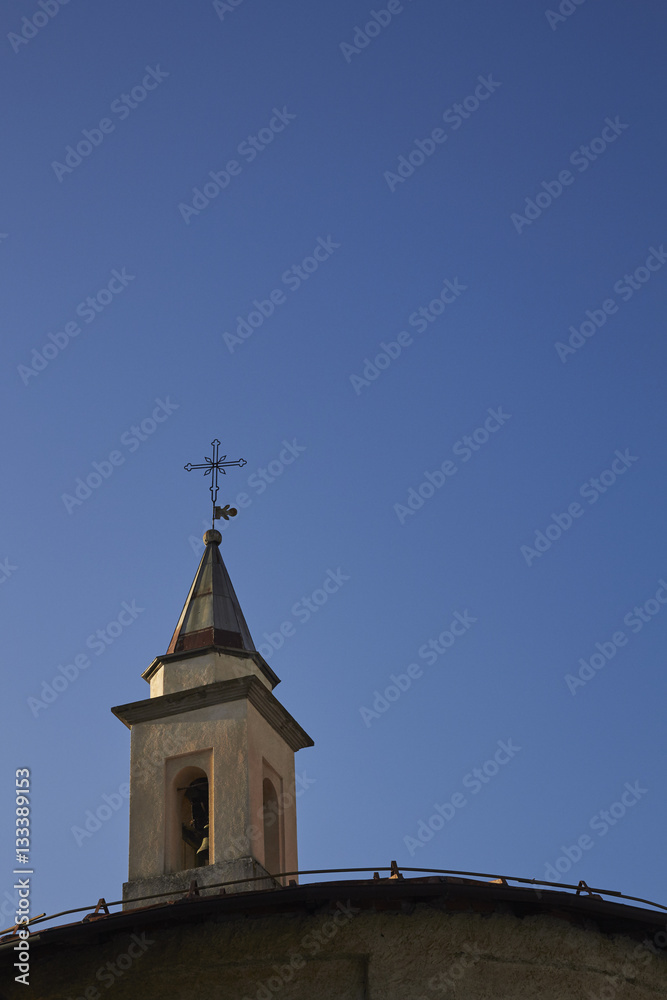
(212,467)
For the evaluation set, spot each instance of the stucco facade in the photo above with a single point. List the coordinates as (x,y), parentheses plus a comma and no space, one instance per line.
(383,940)
(232,742)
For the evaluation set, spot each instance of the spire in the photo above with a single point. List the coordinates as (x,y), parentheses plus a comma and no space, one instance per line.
(212,614)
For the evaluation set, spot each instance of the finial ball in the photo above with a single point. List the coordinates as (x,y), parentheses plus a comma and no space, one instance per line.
(212,535)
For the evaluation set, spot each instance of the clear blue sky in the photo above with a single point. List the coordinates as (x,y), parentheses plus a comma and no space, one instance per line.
(466,183)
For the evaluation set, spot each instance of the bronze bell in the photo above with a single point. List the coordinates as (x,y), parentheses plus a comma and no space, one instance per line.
(202,852)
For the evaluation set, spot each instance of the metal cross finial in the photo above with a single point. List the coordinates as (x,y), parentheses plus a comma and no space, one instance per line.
(212,467)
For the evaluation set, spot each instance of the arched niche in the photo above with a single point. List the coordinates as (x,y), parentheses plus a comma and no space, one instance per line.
(191,812)
(272,828)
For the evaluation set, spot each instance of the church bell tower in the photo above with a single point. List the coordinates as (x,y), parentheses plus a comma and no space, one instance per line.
(212,783)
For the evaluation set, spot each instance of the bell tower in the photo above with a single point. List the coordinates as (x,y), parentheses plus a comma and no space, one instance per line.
(212,783)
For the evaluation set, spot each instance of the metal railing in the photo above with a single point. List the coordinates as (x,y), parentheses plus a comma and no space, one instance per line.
(395,871)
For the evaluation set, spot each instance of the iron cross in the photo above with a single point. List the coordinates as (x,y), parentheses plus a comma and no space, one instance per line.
(212,467)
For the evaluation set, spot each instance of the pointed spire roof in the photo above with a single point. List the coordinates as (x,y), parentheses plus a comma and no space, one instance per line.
(212,614)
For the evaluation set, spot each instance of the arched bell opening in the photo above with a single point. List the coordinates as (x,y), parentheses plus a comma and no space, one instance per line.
(193,816)
(272,828)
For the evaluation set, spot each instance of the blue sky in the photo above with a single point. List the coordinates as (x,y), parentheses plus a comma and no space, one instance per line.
(367,304)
